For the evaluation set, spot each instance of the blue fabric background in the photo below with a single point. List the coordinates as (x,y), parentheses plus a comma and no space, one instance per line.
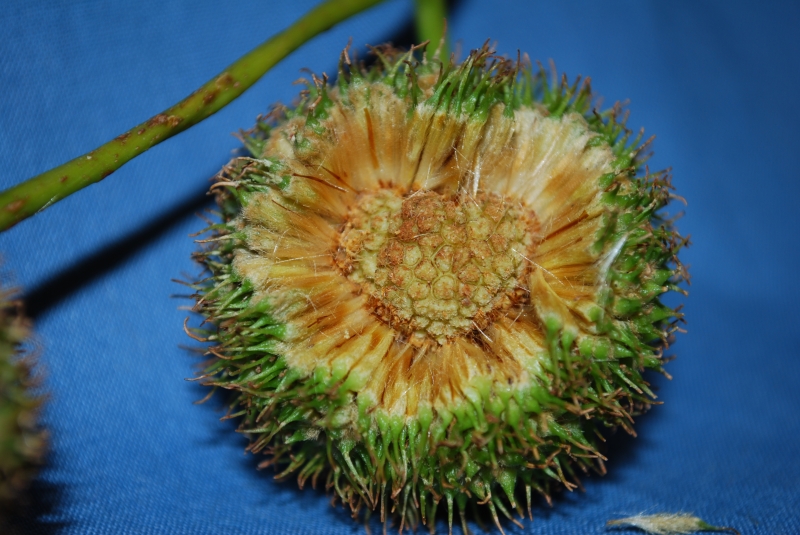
(718,82)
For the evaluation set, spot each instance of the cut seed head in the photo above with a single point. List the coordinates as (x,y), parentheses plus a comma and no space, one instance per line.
(437,283)
(22,441)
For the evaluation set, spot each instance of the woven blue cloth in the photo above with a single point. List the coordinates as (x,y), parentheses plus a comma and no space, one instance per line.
(717,82)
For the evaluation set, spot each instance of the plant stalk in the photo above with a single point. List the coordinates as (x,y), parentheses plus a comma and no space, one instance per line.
(429,17)
(44,190)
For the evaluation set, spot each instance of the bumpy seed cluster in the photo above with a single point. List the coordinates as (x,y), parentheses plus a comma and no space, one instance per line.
(22,441)
(438,265)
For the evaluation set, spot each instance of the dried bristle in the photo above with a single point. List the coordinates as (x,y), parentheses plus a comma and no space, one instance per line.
(22,441)
(669,524)
(344,276)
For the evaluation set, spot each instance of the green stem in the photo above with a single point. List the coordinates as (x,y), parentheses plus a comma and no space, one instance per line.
(429,17)
(36,194)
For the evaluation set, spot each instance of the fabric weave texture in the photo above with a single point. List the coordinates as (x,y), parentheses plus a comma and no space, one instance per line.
(130,453)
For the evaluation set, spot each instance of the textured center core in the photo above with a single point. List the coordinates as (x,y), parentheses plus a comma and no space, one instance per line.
(434,265)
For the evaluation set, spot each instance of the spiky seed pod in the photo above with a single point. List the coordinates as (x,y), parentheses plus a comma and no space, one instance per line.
(22,441)
(436,283)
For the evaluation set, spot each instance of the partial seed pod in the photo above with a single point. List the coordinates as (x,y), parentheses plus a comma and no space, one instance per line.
(437,283)
(22,441)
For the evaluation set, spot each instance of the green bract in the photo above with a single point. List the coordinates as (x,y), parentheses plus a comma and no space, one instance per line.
(437,283)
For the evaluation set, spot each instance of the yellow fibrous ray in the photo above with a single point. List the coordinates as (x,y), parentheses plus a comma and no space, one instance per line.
(370,142)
